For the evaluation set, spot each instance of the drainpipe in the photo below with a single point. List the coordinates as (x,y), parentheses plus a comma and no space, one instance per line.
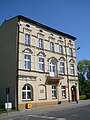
(67,71)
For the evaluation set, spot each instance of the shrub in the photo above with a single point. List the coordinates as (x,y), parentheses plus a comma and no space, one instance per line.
(82,97)
(1,110)
(87,95)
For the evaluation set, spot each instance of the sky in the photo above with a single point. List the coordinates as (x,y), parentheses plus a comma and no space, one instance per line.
(68,16)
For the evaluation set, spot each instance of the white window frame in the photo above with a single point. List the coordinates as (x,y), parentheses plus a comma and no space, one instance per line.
(54,92)
(71,68)
(27,39)
(26,92)
(62,67)
(41,64)
(71,51)
(60,49)
(52,46)
(27,60)
(41,43)
(63,92)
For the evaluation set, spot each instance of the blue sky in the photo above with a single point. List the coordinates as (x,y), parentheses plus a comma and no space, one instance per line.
(69,16)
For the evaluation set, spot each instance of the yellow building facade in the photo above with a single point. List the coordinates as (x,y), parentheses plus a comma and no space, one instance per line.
(43,60)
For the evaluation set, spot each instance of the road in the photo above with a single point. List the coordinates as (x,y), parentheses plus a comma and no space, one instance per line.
(70,112)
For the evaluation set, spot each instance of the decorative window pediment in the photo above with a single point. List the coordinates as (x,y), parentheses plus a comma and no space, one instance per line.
(27,50)
(53,58)
(41,54)
(62,59)
(72,61)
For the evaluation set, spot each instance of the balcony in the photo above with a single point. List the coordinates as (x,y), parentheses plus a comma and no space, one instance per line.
(53,77)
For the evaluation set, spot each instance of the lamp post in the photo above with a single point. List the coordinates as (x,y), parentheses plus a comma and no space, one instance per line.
(75,81)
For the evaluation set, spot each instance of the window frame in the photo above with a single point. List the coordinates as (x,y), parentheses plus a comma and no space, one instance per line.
(71,69)
(60,49)
(27,60)
(26,91)
(41,43)
(71,51)
(52,46)
(27,39)
(62,67)
(54,92)
(41,64)
(63,89)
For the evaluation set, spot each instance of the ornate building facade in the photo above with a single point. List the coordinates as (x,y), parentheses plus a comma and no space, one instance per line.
(38,64)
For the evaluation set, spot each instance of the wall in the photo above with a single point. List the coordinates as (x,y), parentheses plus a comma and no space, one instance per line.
(8,60)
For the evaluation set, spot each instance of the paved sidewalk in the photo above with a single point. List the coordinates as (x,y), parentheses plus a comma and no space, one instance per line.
(46,109)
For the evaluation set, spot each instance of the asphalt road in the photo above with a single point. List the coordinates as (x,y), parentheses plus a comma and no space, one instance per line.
(72,112)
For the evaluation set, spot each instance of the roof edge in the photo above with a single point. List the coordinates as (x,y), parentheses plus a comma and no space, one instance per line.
(45,26)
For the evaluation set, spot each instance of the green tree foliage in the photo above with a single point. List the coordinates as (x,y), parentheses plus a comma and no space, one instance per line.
(84,76)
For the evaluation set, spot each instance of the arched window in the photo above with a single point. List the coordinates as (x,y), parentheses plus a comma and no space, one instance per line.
(27,92)
(53,67)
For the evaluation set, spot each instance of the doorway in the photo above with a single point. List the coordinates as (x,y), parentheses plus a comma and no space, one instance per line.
(73,93)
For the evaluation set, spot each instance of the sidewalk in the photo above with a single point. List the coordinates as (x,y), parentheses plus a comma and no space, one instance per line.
(46,109)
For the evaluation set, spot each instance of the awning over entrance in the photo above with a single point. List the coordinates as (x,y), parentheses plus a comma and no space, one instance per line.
(53,80)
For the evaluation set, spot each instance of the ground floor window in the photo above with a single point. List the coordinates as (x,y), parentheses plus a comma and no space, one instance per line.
(54,92)
(63,92)
(27,92)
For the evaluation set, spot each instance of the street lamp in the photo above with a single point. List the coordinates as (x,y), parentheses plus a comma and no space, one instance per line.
(75,79)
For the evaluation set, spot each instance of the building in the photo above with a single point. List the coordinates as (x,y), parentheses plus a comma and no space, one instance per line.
(37,64)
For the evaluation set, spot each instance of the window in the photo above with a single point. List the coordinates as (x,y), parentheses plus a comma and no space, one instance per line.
(54,95)
(27,39)
(40,43)
(52,46)
(62,67)
(60,49)
(71,69)
(70,51)
(27,92)
(53,67)
(27,61)
(63,92)
(41,63)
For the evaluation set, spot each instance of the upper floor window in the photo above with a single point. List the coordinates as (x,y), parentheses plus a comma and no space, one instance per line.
(27,39)
(52,46)
(71,68)
(60,49)
(40,43)
(41,64)
(62,67)
(70,51)
(27,61)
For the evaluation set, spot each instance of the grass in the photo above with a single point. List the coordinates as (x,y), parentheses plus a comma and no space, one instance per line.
(2,110)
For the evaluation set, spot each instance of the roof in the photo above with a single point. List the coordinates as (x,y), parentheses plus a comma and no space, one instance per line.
(46,27)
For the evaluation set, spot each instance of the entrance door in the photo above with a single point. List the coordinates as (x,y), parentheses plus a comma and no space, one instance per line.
(73,93)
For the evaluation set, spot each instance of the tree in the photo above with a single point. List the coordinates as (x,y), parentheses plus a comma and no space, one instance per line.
(84,76)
